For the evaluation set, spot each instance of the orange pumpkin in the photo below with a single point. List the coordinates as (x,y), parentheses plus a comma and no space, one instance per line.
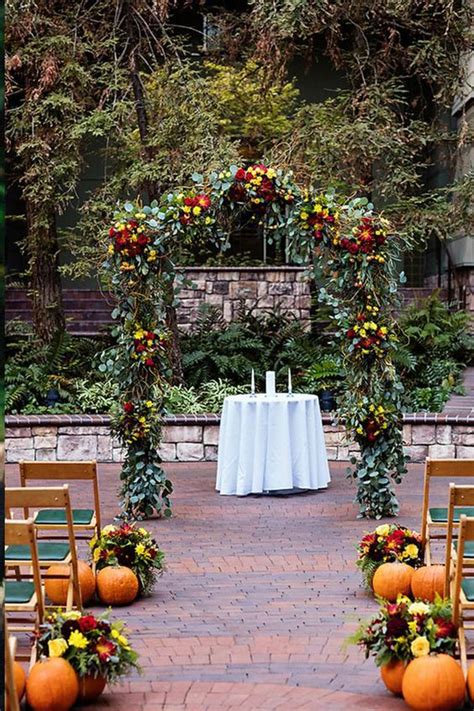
(117,585)
(470,682)
(392,676)
(52,685)
(20,682)
(56,588)
(427,581)
(391,579)
(90,687)
(434,683)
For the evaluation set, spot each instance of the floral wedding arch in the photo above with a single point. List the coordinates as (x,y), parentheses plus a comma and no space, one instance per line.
(345,245)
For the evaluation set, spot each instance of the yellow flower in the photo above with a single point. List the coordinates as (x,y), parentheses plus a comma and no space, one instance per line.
(208,220)
(143,531)
(363,332)
(196,210)
(418,608)
(77,639)
(149,403)
(318,207)
(151,255)
(111,249)
(57,647)
(96,555)
(140,549)
(382,530)
(383,330)
(93,541)
(420,647)
(71,615)
(304,215)
(360,430)
(411,551)
(271,173)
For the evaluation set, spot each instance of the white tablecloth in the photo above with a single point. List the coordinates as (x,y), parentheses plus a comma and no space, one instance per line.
(271,443)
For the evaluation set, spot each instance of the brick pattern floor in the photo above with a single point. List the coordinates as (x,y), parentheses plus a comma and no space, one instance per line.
(259,596)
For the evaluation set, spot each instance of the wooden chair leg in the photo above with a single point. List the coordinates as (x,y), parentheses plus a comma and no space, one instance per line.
(462,648)
(428,548)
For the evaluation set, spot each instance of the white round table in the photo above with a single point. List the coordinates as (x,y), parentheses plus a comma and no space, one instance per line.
(271,443)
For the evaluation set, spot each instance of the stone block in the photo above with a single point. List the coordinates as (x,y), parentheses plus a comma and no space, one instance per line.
(167,452)
(466,439)
(242,289)
(442,451)
(333,436)
(16,455)
(104,448)
(444,434)
(210,453)
(463,452)
(214,300)
(423,434)
(406,434)
(262,288)
(220,287)
(182,433)
(417,453)
(45,455)
(331,453)
(13,432)
(343,454)
(211,434)
(275,289)
(19,445)
(46,442)
(44,431)
(189,452)
(267,302)
(227,311)
(118,455)
(76,447)
(89,430)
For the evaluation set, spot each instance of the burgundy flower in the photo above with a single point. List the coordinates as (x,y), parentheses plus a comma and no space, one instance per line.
(87,623)
(104,649)
(396,627)
(444,628)
(240,174)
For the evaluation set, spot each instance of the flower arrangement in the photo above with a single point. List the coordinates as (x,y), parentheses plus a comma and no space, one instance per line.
(367,336)
(319,216)
(372,424)
(149,346)
(256,186)
(389,542)
(131,241)
(136,421)
(404,630)
(94,646)
(188,208)
(132,547)
(367,237)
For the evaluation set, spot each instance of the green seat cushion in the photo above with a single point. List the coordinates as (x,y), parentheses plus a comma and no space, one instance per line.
(468,548)
(441,515)
(46,551)
(80,517)
(18,592)
(468,588)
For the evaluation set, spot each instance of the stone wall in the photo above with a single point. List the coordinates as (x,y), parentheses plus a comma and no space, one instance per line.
(189,438)
(259,288)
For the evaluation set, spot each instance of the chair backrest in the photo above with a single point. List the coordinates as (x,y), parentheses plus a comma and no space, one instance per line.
(453,468)
(24,533)
(459,495)
(10,687)
(465,534)
(63,471)
(49,497)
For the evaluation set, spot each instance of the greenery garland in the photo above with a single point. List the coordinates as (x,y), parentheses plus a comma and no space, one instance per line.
(345,245)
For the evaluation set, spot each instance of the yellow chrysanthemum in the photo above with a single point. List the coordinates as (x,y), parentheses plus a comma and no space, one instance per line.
(96,555)
(77,639)
(382,530)
(57,647)
(411,551)
(140,549)
(420,647)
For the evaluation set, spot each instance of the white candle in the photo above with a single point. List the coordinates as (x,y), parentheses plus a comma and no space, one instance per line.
(252,383)
(270,382)
(290,385)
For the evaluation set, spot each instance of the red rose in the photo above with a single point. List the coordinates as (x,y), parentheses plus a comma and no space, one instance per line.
(240,174)
(190,201)
(353,248)
(112,232)
(150,335)
(87,623)
(351,333)
(128,407)
(150,362)
(143,240)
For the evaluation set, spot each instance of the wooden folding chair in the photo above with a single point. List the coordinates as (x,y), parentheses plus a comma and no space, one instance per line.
(463,587)
(461,498)
(438,517)
(49,552)
(11,697)
(84,520)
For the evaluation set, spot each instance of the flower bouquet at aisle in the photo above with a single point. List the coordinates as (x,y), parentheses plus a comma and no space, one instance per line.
(95,647)
(388,543)
(132,547)
(403,631)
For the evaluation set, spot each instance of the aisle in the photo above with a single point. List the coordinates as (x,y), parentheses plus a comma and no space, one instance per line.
(259,596)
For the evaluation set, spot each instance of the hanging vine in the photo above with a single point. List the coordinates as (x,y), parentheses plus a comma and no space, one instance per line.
(344,245)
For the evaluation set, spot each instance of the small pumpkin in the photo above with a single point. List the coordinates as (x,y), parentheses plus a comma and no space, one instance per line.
(392,579)
(90,687)
(470,682)
(117,585)
(434,683)
(20,682)
(427,581)
(392,675)
(52,685)
(56,587)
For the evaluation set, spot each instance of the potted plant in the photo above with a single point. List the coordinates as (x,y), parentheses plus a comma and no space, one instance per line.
(95,647)
(130,546)
(403,631)
(389,543)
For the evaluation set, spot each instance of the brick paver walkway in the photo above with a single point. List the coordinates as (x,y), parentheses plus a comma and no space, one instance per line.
(259,596)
